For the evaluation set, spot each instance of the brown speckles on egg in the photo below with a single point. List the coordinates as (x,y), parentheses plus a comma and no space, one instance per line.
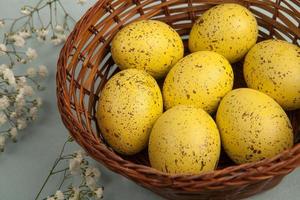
(252,126)
(222,29)
(148,44)
(272,67)
(129,104)
(195,142)
(200,21)
(199,80)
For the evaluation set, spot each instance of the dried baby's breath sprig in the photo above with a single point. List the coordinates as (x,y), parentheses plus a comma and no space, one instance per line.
(47,20)
(72,166)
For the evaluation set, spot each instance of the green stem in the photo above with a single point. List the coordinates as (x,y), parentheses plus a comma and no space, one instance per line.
(15,21)
(63,180)
(39,17)
(52,170)
(4,132)
(55,10)
(58,171)
(65,11)
(34,81)
(14,52)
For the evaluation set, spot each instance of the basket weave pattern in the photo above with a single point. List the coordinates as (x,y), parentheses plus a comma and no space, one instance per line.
(85,64)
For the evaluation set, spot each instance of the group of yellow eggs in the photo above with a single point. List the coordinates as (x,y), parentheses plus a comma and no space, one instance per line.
(251,124)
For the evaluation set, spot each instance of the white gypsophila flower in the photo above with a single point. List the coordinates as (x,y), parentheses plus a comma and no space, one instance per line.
(31,53)
(58,38)
(21,81)
(55,40)
(39,102)
(31,72)
(21,124)
(99,193)
(25,11)
(3,49)
(43,71)
(42,34)
(18,40)
(9,76)
(93,172)
(59,28)
(20,111)
(23,61)
(20,99)
(3,118)
(81,2)
(75,194)
(2,142)
(4,102)
(74,166)
(13,115)
(62,37)
(28,90)
(80,153)
(24,33)
(2,68)
(91,182)
(74,163)
(2,23)
(13,133)
(59,195)
(33,112)
(91,176)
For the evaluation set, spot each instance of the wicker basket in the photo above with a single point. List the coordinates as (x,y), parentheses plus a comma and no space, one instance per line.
(85,64)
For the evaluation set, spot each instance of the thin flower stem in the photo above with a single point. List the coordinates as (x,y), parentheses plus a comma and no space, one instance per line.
(61,5)
(45,5)
(39,17)
(26,23)
(69,156)
(30,16)
(31,21)
(9,120)
(5,131)
(11,59)
(52,169)
(55,10)
(58,171)
(15,21)
(14,52)
(10,19)
(63,180)
(51,24)
(34,81)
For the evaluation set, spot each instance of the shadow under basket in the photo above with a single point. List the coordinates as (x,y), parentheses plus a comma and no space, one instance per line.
(85,64)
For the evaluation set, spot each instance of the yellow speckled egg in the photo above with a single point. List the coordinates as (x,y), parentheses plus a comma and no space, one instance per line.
(229,29)
(252,126)
(200,79)
(273,67)
(129,104)
(149,45)
(184,140)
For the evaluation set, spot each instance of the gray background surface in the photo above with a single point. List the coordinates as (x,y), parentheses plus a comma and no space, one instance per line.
(23,167)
